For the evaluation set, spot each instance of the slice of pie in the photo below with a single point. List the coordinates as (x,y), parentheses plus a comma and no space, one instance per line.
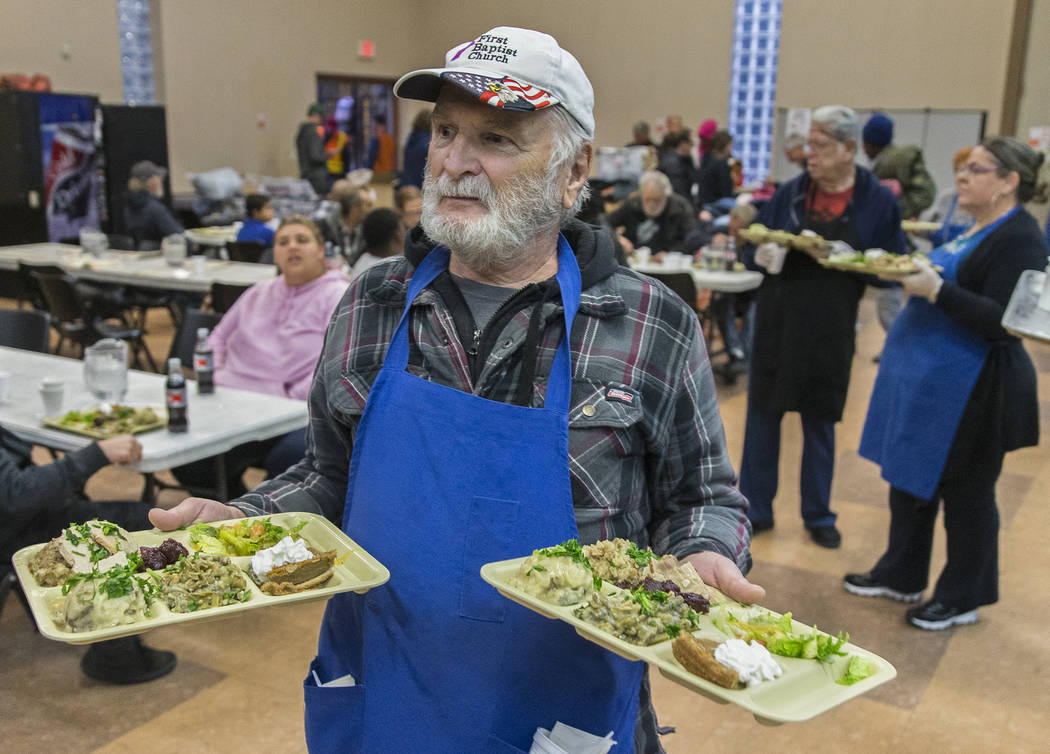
(297,577)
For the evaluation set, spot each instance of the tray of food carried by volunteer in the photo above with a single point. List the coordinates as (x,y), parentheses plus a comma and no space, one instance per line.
(96,581)
(876,262)
(920,226)
(659,611)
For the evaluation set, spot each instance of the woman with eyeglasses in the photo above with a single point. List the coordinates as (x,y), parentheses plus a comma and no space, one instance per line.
(954,393)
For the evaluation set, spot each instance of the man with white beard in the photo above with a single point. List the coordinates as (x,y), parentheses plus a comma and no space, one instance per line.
(504,386)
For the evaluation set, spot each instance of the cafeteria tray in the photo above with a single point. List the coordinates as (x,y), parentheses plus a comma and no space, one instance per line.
(806,688)
(870,269)
(919,226)
(55,422)
(1023,316)
(355,571)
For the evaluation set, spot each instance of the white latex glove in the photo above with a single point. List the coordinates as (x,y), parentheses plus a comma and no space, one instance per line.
(926,282)
(771,256)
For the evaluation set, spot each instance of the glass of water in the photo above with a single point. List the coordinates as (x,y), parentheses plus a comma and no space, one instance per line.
(106,369)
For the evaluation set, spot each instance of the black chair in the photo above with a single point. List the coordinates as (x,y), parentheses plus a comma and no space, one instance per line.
(684,286)
(30,289)
(25,328)
(186,338)
(245,251)
(121,242)
(82,326)
(223,295)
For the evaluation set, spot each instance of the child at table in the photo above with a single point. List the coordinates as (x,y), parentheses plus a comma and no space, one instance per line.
(256,227)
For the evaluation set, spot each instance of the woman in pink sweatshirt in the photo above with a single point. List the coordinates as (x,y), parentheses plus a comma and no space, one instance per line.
(269,341)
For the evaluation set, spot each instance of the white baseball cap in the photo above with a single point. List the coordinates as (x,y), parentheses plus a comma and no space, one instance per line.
(516,69)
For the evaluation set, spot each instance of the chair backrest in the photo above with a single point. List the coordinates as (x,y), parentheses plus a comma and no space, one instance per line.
(31,286)
(60,295)
(244,251)
(186,337)
(25,328)
(121,242)
(681,283)
(224,294)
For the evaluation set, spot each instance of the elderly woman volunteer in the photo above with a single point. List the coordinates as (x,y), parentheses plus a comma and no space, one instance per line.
(954,393)
(269,341)
(805,316)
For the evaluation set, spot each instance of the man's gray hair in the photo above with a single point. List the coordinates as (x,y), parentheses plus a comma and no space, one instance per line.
(656,178)
(794,141)
(841,121)
(567,140)
(641,127)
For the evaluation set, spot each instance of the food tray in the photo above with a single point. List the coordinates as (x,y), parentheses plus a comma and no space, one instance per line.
(866,269)
(806,689)
(358,572)
(919,226)
(1023,316)
(55,422)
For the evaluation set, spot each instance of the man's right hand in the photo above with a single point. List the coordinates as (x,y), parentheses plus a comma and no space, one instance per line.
(192,510)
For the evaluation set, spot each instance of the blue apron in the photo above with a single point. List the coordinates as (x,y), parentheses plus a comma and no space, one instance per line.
(441,482)
(928,369)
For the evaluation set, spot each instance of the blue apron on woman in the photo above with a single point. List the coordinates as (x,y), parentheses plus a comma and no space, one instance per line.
(929,367)
(441,482)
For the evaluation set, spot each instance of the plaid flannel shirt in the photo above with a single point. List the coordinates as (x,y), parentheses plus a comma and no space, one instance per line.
(647,452)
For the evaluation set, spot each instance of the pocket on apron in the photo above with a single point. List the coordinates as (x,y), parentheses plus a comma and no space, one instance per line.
(334,717)
(491,535)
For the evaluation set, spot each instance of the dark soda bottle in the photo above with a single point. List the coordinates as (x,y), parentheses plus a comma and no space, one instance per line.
(202,363)
(175,395)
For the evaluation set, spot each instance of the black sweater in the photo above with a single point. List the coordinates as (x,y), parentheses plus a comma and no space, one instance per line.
(1003,411)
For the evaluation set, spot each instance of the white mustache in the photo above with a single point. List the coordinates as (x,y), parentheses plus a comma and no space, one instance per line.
(471,186)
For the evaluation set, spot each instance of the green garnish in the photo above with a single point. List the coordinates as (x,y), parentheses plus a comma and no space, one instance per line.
(535,568)
(858,669)
(673,629)
(568,549)
(640,557)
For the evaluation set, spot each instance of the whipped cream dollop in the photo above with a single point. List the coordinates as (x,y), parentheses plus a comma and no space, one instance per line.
(286,551)
(752,661)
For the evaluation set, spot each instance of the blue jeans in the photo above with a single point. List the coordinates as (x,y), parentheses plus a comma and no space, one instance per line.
(759,468)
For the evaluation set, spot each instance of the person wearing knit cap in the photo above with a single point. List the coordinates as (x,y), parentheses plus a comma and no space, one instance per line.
(902,170)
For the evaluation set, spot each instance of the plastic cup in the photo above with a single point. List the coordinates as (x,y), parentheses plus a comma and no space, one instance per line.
(51,393)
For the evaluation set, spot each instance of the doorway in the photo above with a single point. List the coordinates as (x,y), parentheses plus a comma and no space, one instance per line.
(353,104)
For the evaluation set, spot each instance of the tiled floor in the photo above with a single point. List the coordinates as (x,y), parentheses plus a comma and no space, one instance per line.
(973,689)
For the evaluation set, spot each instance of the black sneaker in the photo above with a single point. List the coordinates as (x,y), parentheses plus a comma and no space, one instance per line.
(864,585)
(757,526)
(826,536)
(934,616)
(126,660)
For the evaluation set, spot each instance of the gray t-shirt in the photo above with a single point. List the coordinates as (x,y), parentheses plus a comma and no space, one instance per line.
(484,300)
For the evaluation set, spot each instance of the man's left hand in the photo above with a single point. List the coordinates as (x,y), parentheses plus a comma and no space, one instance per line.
(722,573)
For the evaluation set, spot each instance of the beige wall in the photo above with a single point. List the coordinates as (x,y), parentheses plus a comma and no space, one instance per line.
(895,54)
(35,32)
(1035,97)
(645,60)
(226,63)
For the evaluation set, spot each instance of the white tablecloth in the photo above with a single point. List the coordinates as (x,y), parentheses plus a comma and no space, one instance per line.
(218,421)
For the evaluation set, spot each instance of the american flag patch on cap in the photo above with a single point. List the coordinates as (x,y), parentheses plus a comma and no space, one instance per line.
(506,92)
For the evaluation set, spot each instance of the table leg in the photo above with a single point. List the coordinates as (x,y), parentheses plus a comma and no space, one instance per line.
(220,477)
(149,489)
